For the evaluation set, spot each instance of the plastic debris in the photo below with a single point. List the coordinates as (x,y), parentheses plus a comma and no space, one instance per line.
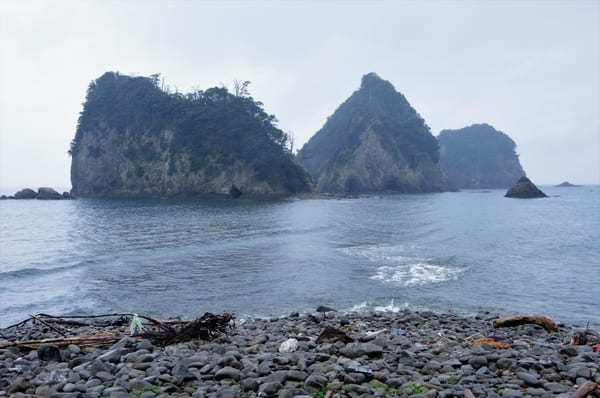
(290,345)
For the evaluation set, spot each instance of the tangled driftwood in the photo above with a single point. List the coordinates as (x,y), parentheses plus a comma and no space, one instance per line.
(517,320)
(206,327)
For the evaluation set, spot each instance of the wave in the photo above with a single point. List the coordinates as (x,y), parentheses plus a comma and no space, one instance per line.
(416,274)
(37,272)
(399,265)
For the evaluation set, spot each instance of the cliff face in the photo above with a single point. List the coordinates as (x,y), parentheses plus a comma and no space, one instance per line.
(134,139)
(375,141)
(479,156)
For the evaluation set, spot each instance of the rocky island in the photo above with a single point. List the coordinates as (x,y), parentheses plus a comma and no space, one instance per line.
(134,139)
(566,184)
(43,193)
(374,142)
(524,189)
(479,157)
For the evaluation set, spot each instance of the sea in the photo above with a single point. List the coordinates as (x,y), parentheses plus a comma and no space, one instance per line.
(465,252)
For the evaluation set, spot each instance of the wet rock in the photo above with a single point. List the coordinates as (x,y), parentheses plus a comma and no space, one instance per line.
(316,381)
(510,393)
(112,355)
(49,353)
(181,371)
(556,388)
(478,361)
(249,384)
(529,379)
(228,373)
(270,388)
(568,350)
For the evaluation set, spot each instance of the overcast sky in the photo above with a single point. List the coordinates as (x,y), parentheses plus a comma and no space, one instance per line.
(530,69)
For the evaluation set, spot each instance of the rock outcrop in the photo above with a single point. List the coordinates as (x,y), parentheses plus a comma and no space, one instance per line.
(566,184)
(479,157)
(374,142)
(43,193)
(524,189)
(25,193)
(134,139)
(46,193)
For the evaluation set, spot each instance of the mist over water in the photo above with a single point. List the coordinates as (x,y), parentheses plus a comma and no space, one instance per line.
(460,251)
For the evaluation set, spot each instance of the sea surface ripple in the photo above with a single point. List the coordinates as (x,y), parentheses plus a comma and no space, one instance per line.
(462,251)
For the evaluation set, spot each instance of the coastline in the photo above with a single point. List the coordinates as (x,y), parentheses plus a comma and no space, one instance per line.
(405,353)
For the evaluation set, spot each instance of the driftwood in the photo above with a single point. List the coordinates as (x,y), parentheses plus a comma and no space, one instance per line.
(89,340)
(68,320)
(517,320)
(163,333)
(331,335)
(206,327)
(36,317)
(586,388)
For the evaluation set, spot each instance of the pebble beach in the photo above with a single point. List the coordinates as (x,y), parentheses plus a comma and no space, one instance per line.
(392,354)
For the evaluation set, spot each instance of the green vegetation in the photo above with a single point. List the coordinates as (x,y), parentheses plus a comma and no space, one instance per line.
(451,381)
(390,392)
(479,156)
(321,392)
(375,106)
(415,389)
(214,129)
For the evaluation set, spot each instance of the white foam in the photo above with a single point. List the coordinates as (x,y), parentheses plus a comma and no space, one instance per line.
(397,264)
(359,307)
(416,274)
(391,307)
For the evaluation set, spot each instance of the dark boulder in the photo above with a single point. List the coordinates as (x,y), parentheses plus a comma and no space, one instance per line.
(524,189)
(49,353)
(45,193)
(235,192)
(26,193)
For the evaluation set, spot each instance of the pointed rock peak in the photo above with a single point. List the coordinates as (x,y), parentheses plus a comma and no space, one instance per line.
(524,189)
(372,80)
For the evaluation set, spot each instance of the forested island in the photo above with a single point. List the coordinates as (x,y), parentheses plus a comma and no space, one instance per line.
(374,142)
(135,139)
(479,156)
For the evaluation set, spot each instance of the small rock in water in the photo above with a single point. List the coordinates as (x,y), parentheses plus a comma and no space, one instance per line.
(323,308)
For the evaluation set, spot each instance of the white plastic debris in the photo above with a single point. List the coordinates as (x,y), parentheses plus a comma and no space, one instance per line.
(290,345)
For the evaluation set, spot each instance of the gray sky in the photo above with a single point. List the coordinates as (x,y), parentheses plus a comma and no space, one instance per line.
(530,69)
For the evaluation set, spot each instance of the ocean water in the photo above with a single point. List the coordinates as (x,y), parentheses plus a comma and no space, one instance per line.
(464,251)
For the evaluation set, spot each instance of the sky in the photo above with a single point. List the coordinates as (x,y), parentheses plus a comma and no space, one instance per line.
(529,68)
